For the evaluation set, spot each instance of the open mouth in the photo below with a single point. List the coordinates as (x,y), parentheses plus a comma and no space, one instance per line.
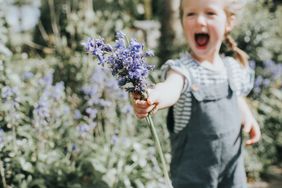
(202,39)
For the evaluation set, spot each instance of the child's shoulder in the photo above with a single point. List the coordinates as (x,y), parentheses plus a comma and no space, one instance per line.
(230,60)
(241,78)
(181,65)
(183,60)
(235,67)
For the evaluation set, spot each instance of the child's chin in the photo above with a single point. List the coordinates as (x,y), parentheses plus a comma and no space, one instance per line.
(201,49)
(200,52)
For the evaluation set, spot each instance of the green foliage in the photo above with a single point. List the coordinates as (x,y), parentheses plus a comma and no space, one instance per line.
(266,100)
(63,121)
(259,31)
(50,138)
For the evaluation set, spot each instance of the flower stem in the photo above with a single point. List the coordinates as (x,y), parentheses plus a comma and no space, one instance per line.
(159,149)
(2,173)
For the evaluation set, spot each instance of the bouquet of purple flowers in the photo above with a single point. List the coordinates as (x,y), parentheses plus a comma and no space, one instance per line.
(127,62)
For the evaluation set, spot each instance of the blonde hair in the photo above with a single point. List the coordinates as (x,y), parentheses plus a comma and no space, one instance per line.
(231,8)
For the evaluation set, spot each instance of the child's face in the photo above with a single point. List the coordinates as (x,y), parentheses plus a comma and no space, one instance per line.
(204,24)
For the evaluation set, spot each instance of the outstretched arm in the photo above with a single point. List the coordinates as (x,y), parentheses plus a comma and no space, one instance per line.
(249,123)
(163,95)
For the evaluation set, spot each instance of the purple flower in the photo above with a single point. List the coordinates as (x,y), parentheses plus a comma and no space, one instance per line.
(27,75)
(120,35)
(126,109)
(125,60)
(252,64)
(10,95)
(91,112)
(89,90)
(135,46)
(8,92)
(266,82)
(273,69)
(83,128)
(258,81)
(58,91)
(98,48)
(77,114)
(47,80)
(42,108)
(150,53)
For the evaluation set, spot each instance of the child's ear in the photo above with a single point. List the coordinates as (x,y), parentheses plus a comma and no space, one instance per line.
(230,23)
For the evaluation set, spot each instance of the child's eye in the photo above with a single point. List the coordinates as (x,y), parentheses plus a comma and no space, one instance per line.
(211,13)
(190,14)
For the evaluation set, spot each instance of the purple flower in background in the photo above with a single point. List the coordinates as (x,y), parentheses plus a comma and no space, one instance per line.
(91,112)
(41,109)
(77,114)
(83,128)
(126,109)
(115,137)
(270,76)
(126,61)
(27,75)
(7,92)
(47,80)
(90,91)
(58,91)
(252,64)
(273,69)
(10,95)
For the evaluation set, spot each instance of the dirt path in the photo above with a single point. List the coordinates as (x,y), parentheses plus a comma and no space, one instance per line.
(273,177)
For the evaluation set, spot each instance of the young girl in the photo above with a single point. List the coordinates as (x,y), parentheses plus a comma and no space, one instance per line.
(204,90)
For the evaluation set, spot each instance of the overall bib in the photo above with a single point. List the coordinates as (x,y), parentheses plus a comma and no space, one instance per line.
(207,153)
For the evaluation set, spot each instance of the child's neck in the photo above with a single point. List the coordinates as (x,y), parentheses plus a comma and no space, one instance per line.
(212,59)
(214,63)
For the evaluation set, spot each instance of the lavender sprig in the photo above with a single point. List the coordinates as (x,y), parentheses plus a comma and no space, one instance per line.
(127,62)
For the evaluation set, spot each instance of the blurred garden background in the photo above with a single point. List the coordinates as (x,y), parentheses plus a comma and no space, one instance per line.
(64,123)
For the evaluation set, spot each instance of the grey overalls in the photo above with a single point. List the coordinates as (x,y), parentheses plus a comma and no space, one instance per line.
(207,153)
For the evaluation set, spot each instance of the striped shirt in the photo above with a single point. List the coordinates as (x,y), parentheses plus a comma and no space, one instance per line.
(240,80)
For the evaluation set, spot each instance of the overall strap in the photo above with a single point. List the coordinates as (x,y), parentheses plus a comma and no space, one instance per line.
(208,92)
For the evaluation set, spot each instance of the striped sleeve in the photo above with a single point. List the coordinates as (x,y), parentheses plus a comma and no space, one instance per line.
(182,111)
(179,67)
(241,78)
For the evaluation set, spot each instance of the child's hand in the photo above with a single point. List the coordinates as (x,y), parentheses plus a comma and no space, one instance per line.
(251,127)
(143,107)
(163,95)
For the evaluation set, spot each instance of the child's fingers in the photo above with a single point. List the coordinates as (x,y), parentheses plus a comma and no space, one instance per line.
(143,112)
(141,104)
(135,96)
(255,135)
(142,108)
(247,127)
(251,141)
(155,109)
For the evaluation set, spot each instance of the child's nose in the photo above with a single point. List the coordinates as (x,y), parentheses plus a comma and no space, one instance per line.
(201,20)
